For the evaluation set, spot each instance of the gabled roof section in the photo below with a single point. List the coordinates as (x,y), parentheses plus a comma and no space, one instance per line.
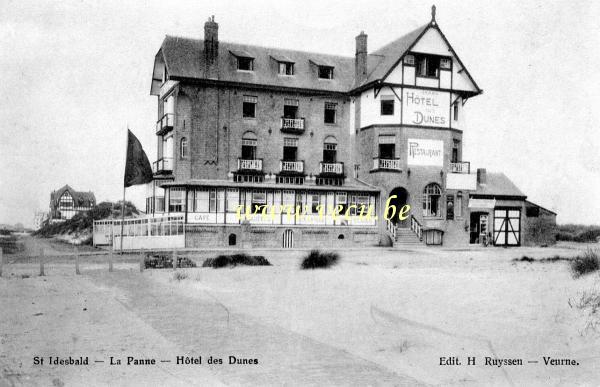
(184,58)
(498,185)
(382,62)
(81,199)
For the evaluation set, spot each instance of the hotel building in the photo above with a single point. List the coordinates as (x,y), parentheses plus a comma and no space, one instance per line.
(253,126)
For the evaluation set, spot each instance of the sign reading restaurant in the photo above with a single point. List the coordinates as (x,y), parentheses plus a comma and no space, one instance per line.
(425,152)
(425,108)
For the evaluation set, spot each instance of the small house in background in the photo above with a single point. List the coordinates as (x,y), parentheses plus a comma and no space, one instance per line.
(66,202)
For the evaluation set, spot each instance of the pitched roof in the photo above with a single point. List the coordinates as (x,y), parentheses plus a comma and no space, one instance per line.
(80,198)
(497,184)
(381,61)
(184,58)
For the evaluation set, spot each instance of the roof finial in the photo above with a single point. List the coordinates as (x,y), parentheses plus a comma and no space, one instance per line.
(433,13)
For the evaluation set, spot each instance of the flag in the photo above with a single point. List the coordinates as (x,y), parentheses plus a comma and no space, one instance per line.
(137,166)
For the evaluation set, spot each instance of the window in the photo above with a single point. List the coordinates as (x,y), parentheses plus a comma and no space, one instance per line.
(329,152)
(449,207)
(248,178)
(456,112)
(233,199)
(341,200)
(290,180)
(290,149)
(532,212)
(290,108)
(431,200)
(286,68)
(176,200)
(409,60)
(325,72)
(455,147)
(246,64)
(249,146)
(362,205)
(249,106)
(459,204)
(330,112)
(258,201)
(428,65)
(387,105)
(336,181)
(183,147)
(387,147)
(445,63)
(66,201)
(314,203)
(201,201)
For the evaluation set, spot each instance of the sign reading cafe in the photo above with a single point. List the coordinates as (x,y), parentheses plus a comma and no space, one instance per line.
(425,152)
(425,108)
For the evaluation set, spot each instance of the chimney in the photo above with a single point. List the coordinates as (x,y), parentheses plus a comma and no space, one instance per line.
(481,176)
(211,47)
(360,61)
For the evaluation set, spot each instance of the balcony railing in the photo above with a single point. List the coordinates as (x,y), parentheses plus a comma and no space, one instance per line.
(462,167)
(291,166)
(250,165)
(390,164)
(163,165)
(331,168)
(165,123)
(293,125)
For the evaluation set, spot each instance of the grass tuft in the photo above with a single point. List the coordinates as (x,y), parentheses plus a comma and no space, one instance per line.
(585,264)
(319,260)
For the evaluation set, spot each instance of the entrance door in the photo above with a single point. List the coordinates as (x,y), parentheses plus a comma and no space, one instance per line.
(398,202)
(478,227)
(288,239)
(507,226)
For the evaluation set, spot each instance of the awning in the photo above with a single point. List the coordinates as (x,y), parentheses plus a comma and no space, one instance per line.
(281,58)
(482,203)
(241,54)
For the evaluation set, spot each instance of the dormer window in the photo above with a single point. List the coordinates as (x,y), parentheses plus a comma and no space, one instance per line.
(427,65)
(286,68)
(245,61)
(245,64)
(325,72)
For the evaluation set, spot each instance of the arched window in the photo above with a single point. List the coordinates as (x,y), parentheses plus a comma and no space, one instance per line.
(431,200)
(330,150)
(459,204)
(183,147)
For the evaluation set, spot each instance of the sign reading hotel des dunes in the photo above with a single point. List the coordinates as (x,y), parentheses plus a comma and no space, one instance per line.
(426,108)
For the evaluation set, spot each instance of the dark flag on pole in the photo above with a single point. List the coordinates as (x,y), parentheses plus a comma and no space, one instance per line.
(137,166)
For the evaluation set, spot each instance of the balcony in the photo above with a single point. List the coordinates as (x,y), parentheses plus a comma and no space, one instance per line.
(163,165)
(386,164)
(165,124)
(462,167)
(292,125)
(291,166)
(331,168)
(250,165)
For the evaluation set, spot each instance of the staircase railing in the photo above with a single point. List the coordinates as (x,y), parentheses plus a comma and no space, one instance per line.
(416,227)
(391,227)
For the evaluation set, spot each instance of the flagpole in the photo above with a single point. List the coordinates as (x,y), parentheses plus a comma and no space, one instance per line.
(123,203)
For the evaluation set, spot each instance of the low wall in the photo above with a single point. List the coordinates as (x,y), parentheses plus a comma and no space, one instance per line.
(254,236)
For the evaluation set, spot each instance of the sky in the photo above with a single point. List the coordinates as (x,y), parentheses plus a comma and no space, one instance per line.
(76,74)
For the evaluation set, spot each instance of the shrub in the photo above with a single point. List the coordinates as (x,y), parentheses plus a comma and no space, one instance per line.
(165,261)
(235,260)
(318,260)
(588,263)
(179,275)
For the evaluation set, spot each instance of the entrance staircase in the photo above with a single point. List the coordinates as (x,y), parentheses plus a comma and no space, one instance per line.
(405,237)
